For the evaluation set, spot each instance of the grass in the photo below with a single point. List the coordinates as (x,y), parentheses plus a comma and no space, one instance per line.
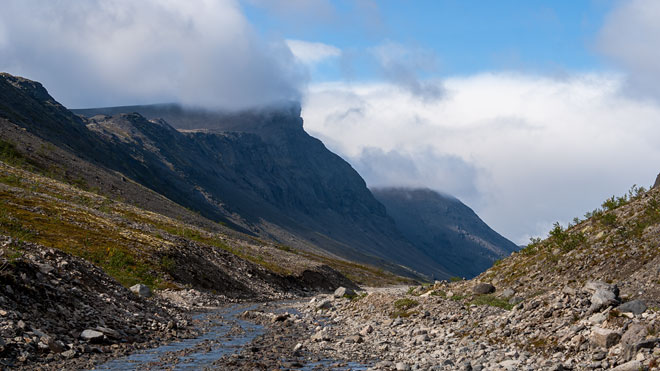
(63,215)
(405,303)
(492,301)
(402,308)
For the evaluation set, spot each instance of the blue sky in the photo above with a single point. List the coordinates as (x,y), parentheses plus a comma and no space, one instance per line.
(466,36)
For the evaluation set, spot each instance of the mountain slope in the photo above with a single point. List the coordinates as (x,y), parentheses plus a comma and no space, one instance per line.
(445,229)
(280,184)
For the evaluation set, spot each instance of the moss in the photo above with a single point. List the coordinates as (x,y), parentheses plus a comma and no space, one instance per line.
(492,301)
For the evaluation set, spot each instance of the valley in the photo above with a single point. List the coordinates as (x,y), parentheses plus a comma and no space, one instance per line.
(161,236)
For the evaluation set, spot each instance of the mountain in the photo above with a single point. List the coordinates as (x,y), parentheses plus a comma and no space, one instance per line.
(269,179)
(445,229)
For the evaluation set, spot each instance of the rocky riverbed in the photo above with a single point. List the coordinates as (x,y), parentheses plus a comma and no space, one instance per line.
(433,328)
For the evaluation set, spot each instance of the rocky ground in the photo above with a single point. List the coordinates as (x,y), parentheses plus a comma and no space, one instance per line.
(61,312)
(443,327)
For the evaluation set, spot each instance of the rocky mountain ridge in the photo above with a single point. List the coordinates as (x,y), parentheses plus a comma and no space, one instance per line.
(445,229)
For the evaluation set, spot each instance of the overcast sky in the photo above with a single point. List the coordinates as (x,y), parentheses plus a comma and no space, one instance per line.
(530,112)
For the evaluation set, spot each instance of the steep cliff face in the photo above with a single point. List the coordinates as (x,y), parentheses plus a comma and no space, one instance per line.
(257,172)
(262,171)
(445,229)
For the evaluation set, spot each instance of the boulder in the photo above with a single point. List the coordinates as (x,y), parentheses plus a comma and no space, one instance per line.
(603,298)
(629,366)
(141,290)
(593,286)
(635,334)
(109,332)
(324,304)
(636,307)
(483,288)
(508,293)
(604,338)
(92,336)
(344,292)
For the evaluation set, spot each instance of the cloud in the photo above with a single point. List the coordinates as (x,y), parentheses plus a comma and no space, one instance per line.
(312,53)
(523,150)
(404,169)
(402,66)
(113,52)
(630,37)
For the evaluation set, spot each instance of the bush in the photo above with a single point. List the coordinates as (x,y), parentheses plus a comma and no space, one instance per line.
(492,301)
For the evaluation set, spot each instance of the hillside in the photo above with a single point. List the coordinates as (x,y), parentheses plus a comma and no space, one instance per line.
(585,298)
(281,185)
(445,229)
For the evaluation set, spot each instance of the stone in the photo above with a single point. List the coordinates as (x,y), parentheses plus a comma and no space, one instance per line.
(366,330)
(593,286)
(324,304)
(344,292)
(109,332)
(516,300)
(603,298)
(510,364)
(508,293)
(141,290)
(45,268)
(603,337)
(401,366)
(92,336)
(483,288)
(597,319)
(69,353)
(636,307)
(630,366)
(635,334)
(53,346)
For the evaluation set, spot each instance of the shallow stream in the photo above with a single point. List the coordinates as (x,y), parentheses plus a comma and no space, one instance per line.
(226,334)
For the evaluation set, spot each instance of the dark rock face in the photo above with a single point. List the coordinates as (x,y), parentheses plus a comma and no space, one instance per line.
(257,172)
(445,229)
(260,173)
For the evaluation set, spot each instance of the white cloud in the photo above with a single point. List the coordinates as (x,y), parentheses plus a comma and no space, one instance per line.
(403,65)
(312,53)
(110,52)
(630,37)
(523,150)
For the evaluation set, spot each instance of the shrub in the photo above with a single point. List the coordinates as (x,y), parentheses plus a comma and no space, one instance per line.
(405,303)
(492,301)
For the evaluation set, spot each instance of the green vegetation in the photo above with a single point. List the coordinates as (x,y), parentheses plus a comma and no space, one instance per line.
(405,304)
(402,307)
(358,297)
(566,241)
(492,301)
(457,297)
(455,279)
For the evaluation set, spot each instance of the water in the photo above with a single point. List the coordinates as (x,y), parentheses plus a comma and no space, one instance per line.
(202,351)
(221,339)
